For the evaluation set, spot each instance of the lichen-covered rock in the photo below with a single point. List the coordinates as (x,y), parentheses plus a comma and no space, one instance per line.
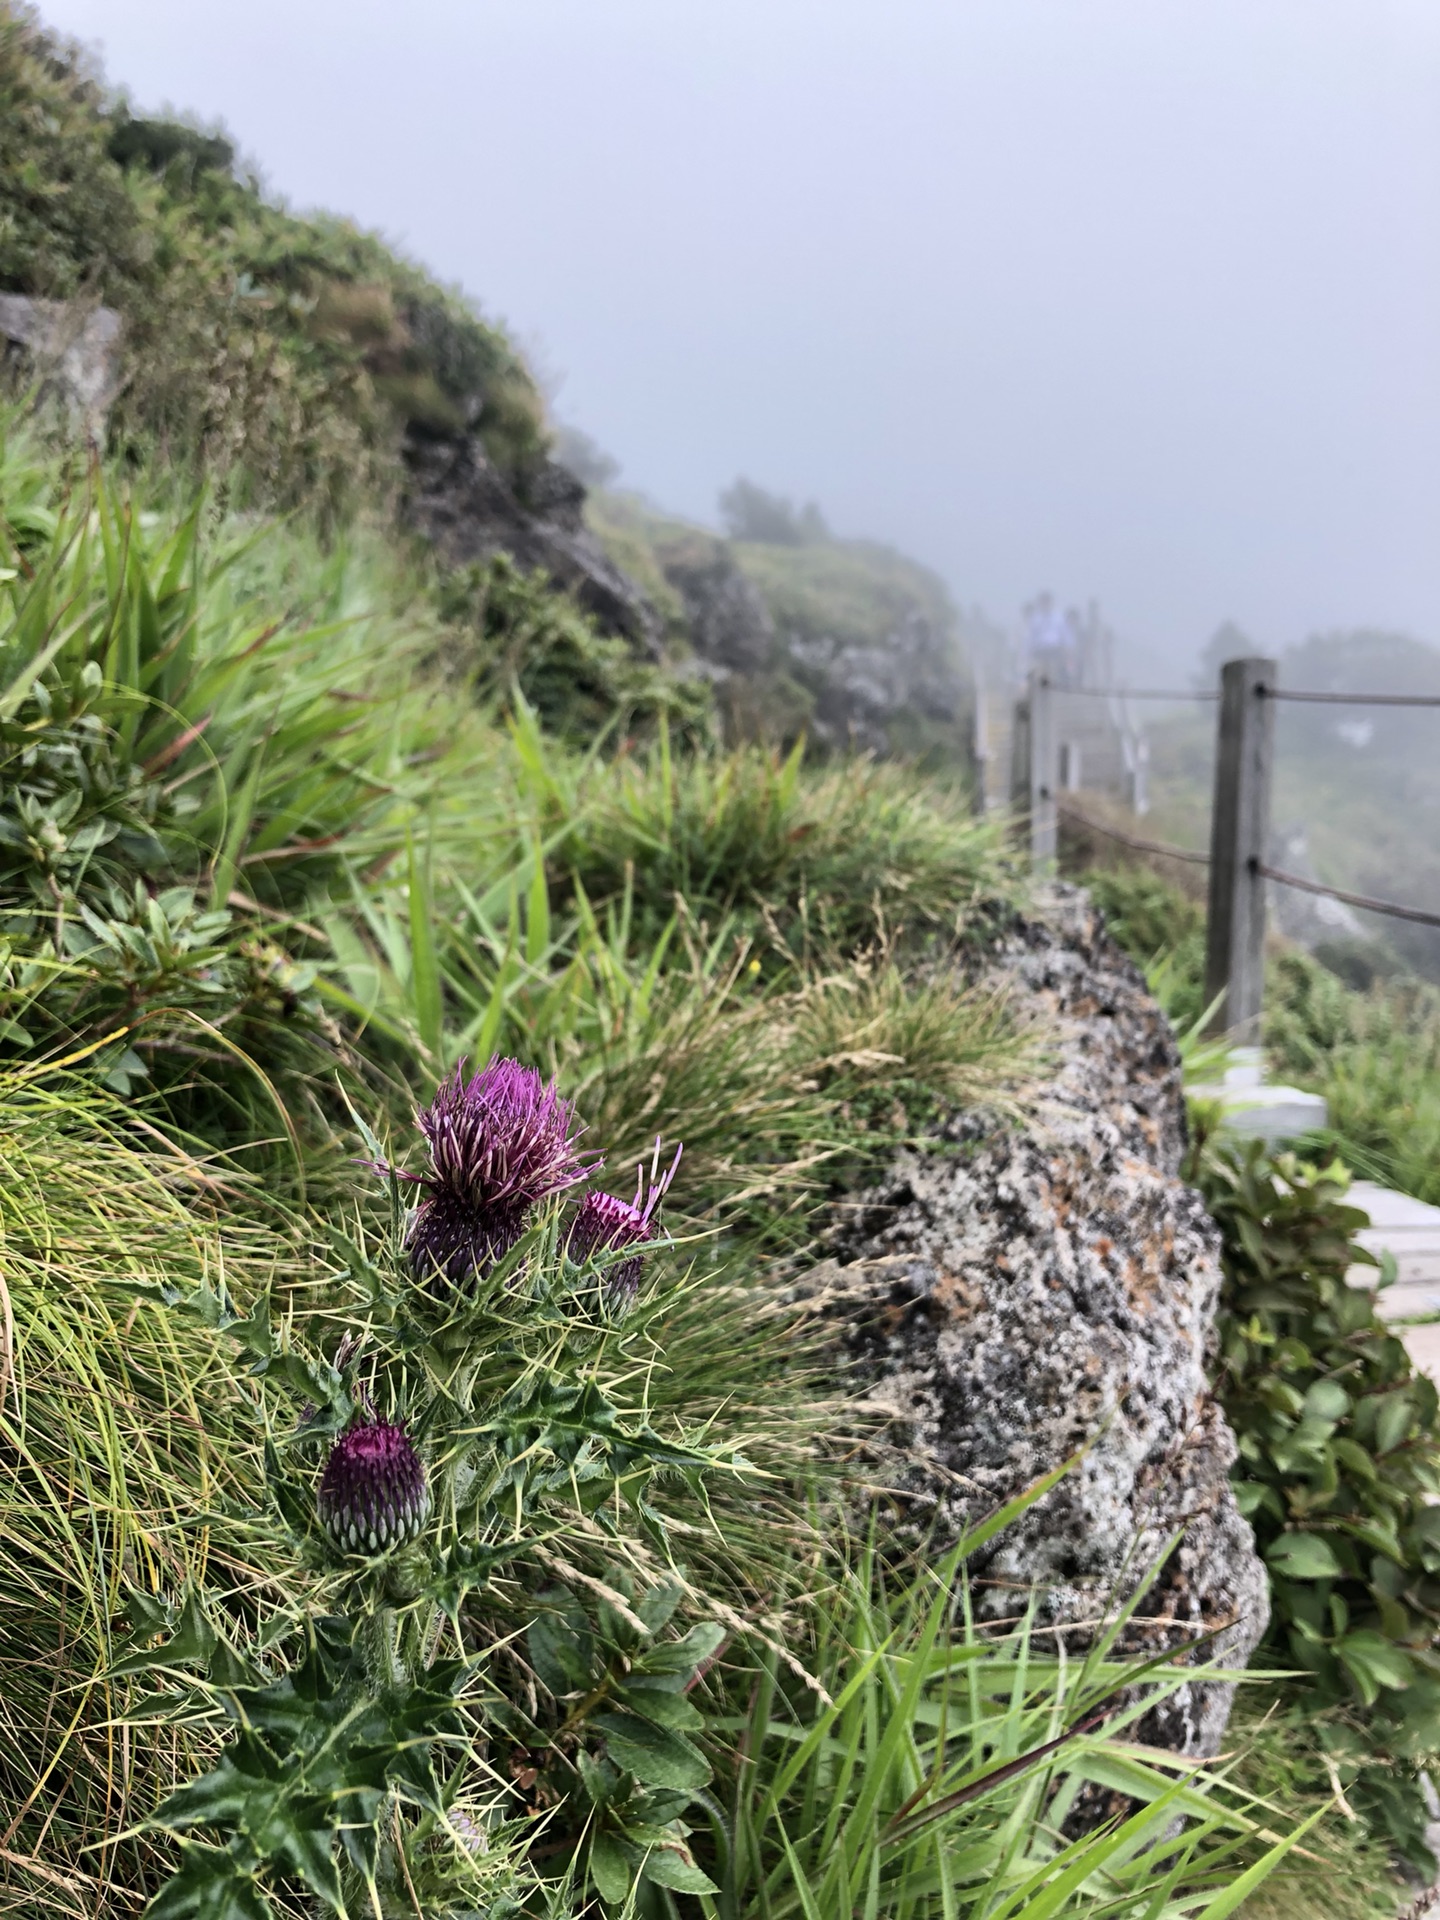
(1018,1294)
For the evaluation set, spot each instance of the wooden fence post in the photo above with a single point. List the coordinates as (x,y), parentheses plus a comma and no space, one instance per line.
(1239,843)
(1042,771)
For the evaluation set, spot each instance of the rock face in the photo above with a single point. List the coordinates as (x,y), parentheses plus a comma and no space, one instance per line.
(843,641)
(460,502)
(73,350)
(1016,1297)
(864,690)
(726,621)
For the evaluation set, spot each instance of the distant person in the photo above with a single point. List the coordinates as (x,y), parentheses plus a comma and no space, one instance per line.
(1039,617)
(1052,640)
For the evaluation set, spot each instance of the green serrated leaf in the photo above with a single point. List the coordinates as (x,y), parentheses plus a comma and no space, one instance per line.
(209,1885)
(656,1756)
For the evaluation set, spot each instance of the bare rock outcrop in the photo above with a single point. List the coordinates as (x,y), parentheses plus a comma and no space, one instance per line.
(460,501)
(1017,1294)
(886,678)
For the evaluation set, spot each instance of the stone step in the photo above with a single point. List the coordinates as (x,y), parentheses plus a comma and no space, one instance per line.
(1423,1346)
(1414,1266)
(1409,1230)
(1401,1302)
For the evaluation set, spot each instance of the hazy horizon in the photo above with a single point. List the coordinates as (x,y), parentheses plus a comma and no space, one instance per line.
(1119,298)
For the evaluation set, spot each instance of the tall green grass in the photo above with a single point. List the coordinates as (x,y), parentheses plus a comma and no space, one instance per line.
(122,1461)
(805,852)
(947,1771)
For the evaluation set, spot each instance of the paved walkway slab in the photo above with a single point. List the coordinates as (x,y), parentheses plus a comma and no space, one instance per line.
(1410,1231)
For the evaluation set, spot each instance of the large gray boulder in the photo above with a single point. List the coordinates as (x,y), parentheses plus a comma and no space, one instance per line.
(71,349)
(1016,1294)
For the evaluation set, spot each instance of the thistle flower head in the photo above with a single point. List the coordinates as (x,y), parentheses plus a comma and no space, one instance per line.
(607,1224)
(373,1492)
(500,1142)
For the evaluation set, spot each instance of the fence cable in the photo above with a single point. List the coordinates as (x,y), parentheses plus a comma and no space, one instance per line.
(1131,693)
(1131,840)
(1367,902)
(1418,914)
(1351,699)
(1266,692)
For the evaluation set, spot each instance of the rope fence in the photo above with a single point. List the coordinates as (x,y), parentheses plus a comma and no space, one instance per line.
(1417,914)
(1265,692)
(1130,693)
(1162,847)
(1133,840)
(1247,697)
(1351,699)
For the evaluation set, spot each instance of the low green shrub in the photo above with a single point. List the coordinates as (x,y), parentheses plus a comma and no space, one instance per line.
(1338,1470)
(1155,922)
(1374,1052)
(1375,1055)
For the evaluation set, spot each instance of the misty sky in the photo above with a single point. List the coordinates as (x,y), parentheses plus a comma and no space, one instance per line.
(1133,298)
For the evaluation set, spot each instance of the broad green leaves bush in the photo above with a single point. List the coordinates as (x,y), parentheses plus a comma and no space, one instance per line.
(1339,1467)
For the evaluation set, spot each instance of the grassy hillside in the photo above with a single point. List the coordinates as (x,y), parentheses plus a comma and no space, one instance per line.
(263,883)
(284,354)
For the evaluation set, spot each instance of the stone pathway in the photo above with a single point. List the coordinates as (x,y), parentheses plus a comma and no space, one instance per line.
(1410,1230)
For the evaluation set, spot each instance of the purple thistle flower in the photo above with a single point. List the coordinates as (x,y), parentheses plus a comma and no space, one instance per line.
(373,1493)
(499,1143)
(605,1224)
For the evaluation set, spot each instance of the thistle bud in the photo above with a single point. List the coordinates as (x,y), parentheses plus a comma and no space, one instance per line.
(373,1493)
(606,1224)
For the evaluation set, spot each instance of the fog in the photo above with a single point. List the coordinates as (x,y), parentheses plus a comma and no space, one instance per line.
(1129,298)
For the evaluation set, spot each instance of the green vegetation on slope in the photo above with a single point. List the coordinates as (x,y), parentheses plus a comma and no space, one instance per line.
(284,354)
(838,641)
(217,726)
(265,878)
